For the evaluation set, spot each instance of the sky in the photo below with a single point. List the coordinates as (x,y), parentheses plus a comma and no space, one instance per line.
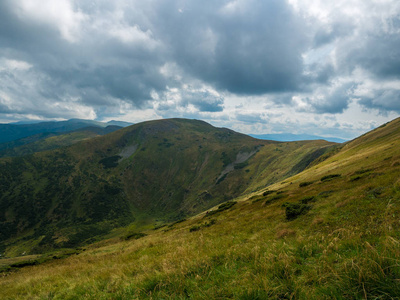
(329,68)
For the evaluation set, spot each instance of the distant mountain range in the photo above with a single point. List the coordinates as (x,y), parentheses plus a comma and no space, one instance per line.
(16,131)
(19,130)
(290,137)
(27,137)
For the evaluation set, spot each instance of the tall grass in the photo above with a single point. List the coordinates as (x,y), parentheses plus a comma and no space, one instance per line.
(346,246)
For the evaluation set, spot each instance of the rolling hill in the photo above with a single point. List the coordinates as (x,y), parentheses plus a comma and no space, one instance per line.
(145,174)
(304,224)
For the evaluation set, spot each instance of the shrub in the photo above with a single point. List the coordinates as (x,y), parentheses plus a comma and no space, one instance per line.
(110,162)
(177,222)
(198,227)
(307,199)
(266,193)
(330,177)
(274,198)
(226,205)
(222,207)
(241,165)
(195,228)
(293,210)
(134,235)
(306,183)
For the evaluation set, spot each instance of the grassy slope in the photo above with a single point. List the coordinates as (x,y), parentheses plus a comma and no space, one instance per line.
(74,195)
(48,141)
(345,245)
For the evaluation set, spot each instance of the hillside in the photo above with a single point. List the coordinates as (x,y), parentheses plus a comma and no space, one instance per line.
(51,140)
(329,232)
(143,176)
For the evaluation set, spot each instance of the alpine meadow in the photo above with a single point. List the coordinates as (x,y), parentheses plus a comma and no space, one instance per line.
(176,209)
(186,149)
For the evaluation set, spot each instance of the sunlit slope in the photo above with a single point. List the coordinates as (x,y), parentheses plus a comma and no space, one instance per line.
(149,173)
(330,232)
(361,158)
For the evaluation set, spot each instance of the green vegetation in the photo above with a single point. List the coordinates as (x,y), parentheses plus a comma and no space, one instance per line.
(306,183)
(330,177)
(110,162)
(222,207)
(293,210)
(134,235)
(333,239)
(75,195)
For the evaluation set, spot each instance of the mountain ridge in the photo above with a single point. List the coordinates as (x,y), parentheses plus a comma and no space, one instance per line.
(330,231)
(157,170)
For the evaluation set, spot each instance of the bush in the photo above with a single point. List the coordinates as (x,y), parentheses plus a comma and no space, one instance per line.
(222,207)
(198,227)
(226,205)
(308,199)
(134,235)
(241,165)
(266,193)
(195,228)
(110,162)
(306,183)
(293,210)
(330,177)
(177,222)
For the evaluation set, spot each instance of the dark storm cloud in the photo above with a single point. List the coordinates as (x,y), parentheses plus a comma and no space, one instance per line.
(95,68)
(100,55)
(380,55)
(328,34)
(244,47)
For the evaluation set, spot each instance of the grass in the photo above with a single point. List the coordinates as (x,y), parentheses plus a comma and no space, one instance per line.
(346,246)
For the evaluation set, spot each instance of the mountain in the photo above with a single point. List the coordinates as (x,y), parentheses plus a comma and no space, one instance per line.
(290,137)
(152,172)
(119,123)
(16,131)
(330,231)
(50,140)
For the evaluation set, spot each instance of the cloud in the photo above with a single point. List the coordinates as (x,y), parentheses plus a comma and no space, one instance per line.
(244,47)
(252,117)
(59,14)
(99,59)
(383,100)
(326,100)
(189,98)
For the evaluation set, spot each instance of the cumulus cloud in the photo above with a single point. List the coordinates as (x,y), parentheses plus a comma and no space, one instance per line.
(245,47)
(69,58)
(383,100)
